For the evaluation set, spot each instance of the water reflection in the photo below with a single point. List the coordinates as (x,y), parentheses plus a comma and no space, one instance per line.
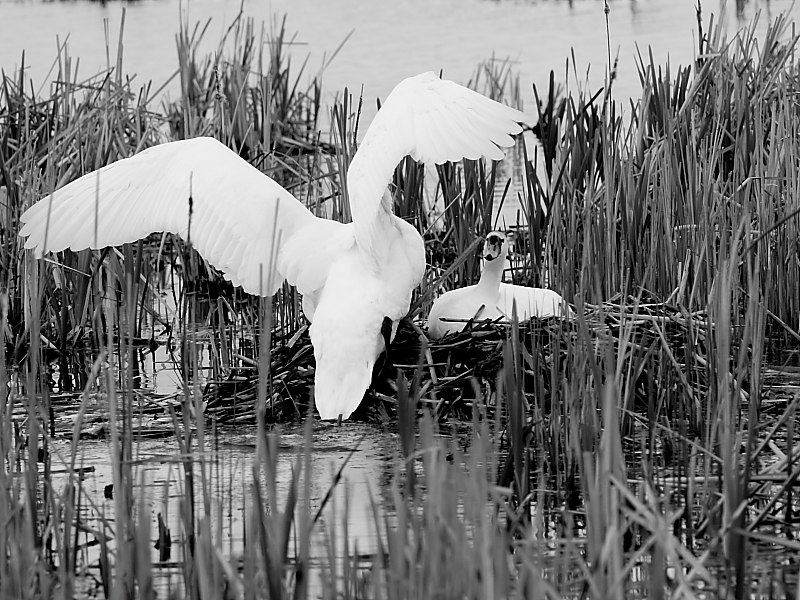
(227,463)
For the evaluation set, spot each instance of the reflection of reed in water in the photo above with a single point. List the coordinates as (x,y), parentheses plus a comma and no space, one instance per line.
(355,463)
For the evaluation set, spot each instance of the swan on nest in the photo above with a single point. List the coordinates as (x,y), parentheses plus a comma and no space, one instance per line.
(492,299)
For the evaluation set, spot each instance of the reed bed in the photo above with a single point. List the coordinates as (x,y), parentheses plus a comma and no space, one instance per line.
(645,447)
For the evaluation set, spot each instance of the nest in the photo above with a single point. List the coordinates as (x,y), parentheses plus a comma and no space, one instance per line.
(454,373)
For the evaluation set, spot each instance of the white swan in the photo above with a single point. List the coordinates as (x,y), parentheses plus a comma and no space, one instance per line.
(490,298)
(355,278)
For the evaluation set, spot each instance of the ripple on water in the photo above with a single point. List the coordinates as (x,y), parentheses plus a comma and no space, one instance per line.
(369,452)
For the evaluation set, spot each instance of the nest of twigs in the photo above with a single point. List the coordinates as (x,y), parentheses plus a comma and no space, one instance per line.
(455,372)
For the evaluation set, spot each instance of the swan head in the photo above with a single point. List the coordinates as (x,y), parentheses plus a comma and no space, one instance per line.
(496,245)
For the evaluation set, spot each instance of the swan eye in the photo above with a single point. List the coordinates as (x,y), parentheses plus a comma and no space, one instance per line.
(494,239)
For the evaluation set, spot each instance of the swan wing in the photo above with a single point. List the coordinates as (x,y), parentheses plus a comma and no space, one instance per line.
(532,302)
(307,256)
(451,311)
(443,309)
(238,213)
(432,120)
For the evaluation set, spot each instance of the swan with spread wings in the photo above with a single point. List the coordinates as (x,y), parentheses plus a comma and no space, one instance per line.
(356,278)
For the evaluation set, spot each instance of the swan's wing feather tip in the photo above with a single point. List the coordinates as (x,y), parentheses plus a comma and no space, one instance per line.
(432,120)
(235,208)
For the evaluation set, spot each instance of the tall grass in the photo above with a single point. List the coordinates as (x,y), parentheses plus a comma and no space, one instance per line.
(630,450)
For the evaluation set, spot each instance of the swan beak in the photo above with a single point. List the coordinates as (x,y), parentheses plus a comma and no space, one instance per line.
(386,332)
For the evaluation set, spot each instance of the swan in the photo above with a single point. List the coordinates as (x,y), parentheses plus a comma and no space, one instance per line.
(490,298)
(356,279)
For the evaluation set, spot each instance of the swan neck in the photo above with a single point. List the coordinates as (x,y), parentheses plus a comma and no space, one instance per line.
(492,274)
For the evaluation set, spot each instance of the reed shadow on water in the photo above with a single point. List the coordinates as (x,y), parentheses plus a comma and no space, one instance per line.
(367,456)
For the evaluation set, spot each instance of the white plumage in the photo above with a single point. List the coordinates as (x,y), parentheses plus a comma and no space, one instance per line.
(492,299)
(352,276)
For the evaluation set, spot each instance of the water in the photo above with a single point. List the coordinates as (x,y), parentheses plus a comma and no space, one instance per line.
(370,455)
(388,41)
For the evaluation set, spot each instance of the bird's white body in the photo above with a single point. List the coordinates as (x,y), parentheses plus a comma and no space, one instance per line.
(352,276)
(346,326)
(492,299)
(532,302)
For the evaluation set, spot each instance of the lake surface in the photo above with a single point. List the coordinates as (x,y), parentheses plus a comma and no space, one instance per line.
(368,455)
(388,40)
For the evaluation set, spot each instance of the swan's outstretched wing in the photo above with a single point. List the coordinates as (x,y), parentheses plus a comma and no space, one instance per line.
(432,120)
(237,211)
